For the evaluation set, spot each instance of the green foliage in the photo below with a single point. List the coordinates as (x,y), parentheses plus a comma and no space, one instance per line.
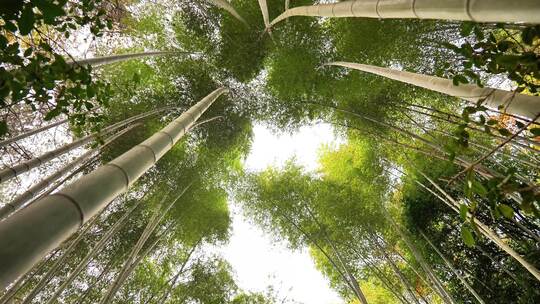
(35,74)
(504,51)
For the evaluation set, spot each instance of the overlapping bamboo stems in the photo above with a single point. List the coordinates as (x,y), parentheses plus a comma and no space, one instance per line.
(481,148)
(527,11)
(143,254)
(25,279)
(515,103)
(396,270)
(382,276)
(519,142)
(13,139)
(445,296)
(474,146)
(86,292)
(11,172)
(33,191)
(340,259)
(334,264)
(454,270)
(96,249)
(484,229)
(158,216)
(30,234)
(480,169)
(172,284)
(60,262)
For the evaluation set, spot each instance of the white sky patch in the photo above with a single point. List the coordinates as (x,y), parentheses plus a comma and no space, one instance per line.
(256,259)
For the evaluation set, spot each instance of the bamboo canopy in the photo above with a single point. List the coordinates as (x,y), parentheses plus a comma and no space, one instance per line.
(519,104)
(527,11)
(27,236)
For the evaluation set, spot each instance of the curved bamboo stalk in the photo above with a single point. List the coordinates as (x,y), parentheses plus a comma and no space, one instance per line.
(224,4)
(454,270)
(13,139)
(33,191)
(97,61)
(527,11)
(30,234)
(11,172)
(515,103)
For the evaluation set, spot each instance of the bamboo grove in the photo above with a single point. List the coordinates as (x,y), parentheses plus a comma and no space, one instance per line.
(119,167)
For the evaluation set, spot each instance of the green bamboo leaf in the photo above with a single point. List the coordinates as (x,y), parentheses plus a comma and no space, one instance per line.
(467,236)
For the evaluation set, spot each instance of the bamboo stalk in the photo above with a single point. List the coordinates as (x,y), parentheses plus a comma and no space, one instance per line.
(30,234)
(33,191)
(527,11)
(13,139)
(98,61)
(454,270)
(515,103)
(11,172)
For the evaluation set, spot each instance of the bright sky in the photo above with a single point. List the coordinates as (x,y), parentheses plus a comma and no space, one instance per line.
(256,259)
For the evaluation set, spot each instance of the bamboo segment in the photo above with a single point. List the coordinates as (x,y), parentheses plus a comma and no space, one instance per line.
(30,234)
(224,4)
(96,249)
(13,139)
(11,172)
(519,104)
(454,270)
(264,12)
(29,194)
(527,11)
(97,61)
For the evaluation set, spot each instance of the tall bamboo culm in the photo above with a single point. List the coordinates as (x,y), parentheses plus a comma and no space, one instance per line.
(11,172)
(33,191)
(527,11)
(519,104)
(27,236)
(97,61)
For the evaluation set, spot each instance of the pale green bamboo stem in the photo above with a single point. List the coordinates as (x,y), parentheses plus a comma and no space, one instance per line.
(13,139)
(485,230)
(264,12)
(456,273)
(30,234)
(445,296)
(97,61)
(150,228)
(60,262)
(96,249)
(527,11)
(11,172)
(33,191)
(165,295)
(519,104)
